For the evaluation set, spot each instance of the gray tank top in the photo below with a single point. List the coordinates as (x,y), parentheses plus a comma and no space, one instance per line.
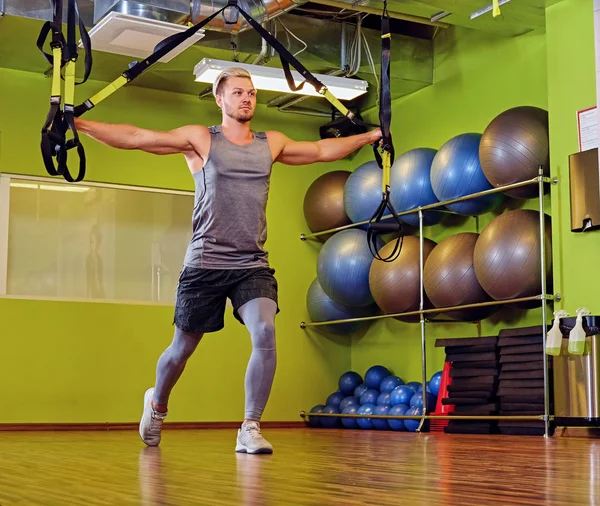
(229,226)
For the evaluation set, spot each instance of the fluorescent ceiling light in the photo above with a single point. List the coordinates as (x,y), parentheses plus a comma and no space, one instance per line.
(56,188)
(273,79)
(24,185)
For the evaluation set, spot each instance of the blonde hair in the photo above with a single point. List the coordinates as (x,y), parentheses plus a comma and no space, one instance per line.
(227,74)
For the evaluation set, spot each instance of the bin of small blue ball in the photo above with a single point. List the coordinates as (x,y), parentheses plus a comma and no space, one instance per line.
(375,375)
(381,423)
(349,401)
(349,381)
(435,383)
(397,410)
(365,409)
(417,401)
(360,389)
(389,383)
(384,398)
(413,425)
(401,395)
(315,421)
(415,385)
(369,396)
(330,422)
(350,423)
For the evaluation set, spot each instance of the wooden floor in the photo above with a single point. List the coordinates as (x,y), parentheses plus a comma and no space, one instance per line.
(309,467)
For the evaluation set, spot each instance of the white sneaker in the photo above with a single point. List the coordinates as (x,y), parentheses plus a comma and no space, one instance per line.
(152,421)
(250,439)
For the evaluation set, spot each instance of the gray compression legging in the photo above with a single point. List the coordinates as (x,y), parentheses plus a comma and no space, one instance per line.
(259,317)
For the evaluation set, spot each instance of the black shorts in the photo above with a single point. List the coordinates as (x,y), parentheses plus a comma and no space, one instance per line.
(202,295)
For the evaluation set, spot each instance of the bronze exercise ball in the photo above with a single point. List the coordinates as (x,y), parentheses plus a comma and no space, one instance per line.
(507,255)
(324,203)
(512,148)
(449,278)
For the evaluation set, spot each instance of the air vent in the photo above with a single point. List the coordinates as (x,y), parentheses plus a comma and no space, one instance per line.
(133,36)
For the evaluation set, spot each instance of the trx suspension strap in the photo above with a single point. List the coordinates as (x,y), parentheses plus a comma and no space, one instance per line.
(64,54)
(386,159)
(54,142)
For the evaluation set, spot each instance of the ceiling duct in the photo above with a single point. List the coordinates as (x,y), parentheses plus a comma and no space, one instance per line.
(194,11)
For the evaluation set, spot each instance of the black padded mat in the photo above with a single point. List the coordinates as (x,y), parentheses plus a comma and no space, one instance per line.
(522,331)
(521,383)
(473,381)
(482,364)
(471,357)
(472,349)
(514,350)
(473,372)
(519,341)
(465,341)
(521,357)
(513,375)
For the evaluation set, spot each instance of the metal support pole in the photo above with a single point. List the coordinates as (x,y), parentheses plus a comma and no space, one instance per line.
(422,321)
(544,301)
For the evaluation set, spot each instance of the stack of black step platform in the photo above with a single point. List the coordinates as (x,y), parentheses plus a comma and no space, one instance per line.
(521,379)
(474,381)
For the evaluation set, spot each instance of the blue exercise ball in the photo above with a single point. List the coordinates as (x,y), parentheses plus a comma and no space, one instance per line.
(416,401)
(375,375)
(365,409)
(381,423)
(330,422)
(362,192)
(360,389)
(334,399)
(401,395)
(322,308)
(389,383)
(384,398)
(343,268)
(350,423)
(315,421)
(415,385)
(369,396)
(410,186)
(456,172)
(435,382)
(413,425)
(397,410)
(349,381)
(349,401)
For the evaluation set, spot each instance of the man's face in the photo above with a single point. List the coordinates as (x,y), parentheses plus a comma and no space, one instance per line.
(238,99)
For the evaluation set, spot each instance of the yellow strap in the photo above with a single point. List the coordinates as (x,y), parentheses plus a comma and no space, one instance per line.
(109,90)
(386,162)
(57,57)
(495,8)
(70,82)
(334,101)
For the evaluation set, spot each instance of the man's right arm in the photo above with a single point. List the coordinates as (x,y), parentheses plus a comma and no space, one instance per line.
(180,140)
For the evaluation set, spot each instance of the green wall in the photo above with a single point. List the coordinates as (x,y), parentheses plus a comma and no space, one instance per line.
(91,362)
(571,87)
(476,76)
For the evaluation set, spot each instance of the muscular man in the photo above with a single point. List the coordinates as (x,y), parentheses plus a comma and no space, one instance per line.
(231,168)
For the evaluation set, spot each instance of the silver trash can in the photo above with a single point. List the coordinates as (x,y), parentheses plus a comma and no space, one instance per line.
(577,377)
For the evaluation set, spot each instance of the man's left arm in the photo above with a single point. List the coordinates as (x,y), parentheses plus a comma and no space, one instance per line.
(325,150)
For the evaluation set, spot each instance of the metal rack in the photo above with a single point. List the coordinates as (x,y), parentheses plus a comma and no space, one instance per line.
(540,180)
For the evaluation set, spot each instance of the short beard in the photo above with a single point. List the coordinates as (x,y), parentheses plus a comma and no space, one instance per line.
(241,116)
